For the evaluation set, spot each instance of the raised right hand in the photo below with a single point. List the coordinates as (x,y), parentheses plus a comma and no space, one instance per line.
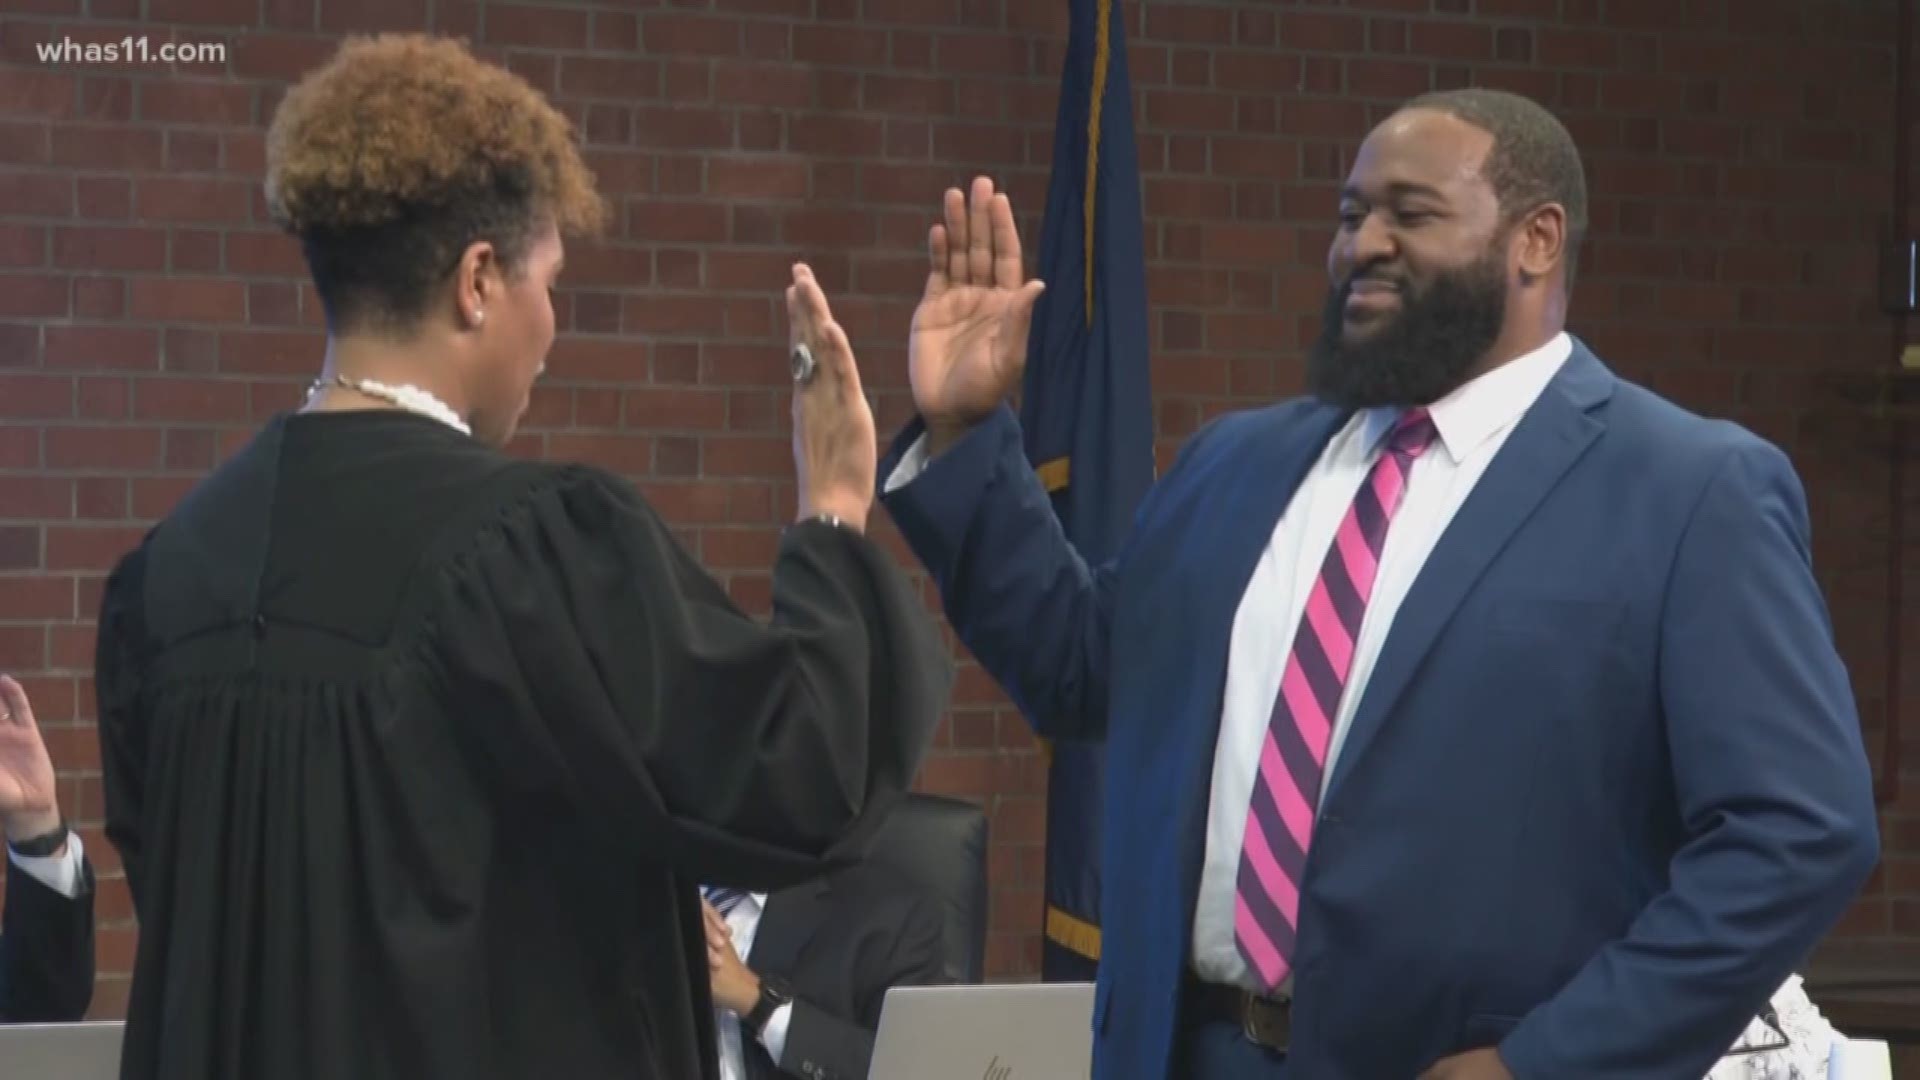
(969,342)
(834,447)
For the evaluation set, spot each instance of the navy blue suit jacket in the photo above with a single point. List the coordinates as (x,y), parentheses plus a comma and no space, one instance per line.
(1605,788)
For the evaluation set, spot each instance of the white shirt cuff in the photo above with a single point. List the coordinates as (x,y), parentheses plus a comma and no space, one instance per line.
(774,1035)
(61,873)
(912,464)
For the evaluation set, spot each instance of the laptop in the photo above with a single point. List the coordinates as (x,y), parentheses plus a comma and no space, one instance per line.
(84,1051)
(1010,1032)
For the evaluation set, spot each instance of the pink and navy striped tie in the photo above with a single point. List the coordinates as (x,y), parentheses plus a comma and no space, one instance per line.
(1293,757)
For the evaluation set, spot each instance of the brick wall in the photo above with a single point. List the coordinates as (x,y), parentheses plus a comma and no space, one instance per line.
(1739,150)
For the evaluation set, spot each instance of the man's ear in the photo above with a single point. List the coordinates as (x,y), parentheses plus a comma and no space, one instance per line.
(1542,240)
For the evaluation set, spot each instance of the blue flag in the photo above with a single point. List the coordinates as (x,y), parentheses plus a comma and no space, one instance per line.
(1087,411)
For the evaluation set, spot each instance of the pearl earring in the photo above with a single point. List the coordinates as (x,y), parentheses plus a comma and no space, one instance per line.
(479,317)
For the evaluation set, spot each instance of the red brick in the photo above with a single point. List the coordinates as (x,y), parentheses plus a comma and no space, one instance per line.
(1323,32)
(687,503)
(167,199)
(103,198)
(33,296)
(690,35)
(22,246)
(106,100)
(757,177)
(27,498)
(525,26)
(22,648)
(280,58)
(596,359)
(916,94)
(1190,111)
(35,397)
(996,53)
(771,86)
(193,151)
(629,454)
(836,136)
(1195,25)
(204,12)
(179,400)
(34,599)
(98,498)
(36,194)
(19,448)
(1391,80)
(111,148)
(24,142)
(195,101)
(840,46)
(38,94)
(102,448)
(188,300)
(739,548)
(110,248)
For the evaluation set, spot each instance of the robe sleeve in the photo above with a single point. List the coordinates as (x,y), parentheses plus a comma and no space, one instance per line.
(595,658)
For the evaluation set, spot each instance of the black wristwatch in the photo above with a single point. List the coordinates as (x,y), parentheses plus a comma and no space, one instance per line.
(774,992)
(39,847)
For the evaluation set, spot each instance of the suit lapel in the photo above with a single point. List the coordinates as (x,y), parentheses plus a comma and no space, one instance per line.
(1549,438)
(787,924)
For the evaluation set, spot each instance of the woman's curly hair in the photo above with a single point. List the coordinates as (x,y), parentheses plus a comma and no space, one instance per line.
(387,161)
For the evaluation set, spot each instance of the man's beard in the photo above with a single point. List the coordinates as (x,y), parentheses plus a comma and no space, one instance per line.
(1420,353)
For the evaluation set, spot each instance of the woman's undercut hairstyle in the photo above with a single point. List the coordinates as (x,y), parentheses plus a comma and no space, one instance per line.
(402,150)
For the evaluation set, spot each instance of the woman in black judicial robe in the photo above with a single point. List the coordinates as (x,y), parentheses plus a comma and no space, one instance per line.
(416,753)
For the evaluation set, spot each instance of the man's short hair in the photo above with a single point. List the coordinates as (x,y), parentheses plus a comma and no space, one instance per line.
(1533,160)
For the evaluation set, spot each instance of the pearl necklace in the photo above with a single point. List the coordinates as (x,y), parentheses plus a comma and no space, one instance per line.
(407,396)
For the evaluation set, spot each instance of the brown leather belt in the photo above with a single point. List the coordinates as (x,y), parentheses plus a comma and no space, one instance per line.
(1265,1021)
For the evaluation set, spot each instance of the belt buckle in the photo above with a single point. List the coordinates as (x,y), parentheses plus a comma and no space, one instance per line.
(1265,1022)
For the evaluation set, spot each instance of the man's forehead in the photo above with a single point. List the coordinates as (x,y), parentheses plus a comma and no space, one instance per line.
(1420,148)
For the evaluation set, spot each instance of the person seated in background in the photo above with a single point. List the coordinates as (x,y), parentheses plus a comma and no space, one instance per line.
(799,975)
(46,935)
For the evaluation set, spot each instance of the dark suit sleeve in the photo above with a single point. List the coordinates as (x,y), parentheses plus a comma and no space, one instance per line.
(821,1046)
(1774,789)
(46,950)
(1034,613)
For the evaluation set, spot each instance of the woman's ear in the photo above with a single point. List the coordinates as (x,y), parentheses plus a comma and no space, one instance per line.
(476,283)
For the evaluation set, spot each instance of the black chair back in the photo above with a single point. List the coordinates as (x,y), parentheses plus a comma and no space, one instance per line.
(940,844)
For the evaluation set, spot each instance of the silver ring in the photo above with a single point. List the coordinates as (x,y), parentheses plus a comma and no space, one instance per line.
(803,364)
(6,717)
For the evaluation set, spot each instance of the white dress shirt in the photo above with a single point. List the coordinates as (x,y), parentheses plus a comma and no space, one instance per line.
(61,873)
(1472,424)
(744,921)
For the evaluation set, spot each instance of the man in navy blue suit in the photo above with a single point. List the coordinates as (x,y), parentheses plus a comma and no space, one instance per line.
(1476,716)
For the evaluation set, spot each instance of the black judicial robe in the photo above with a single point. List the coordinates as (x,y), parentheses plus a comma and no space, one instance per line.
(416,755)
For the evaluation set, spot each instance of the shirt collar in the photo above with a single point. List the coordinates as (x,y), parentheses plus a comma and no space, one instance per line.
(1481,408)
